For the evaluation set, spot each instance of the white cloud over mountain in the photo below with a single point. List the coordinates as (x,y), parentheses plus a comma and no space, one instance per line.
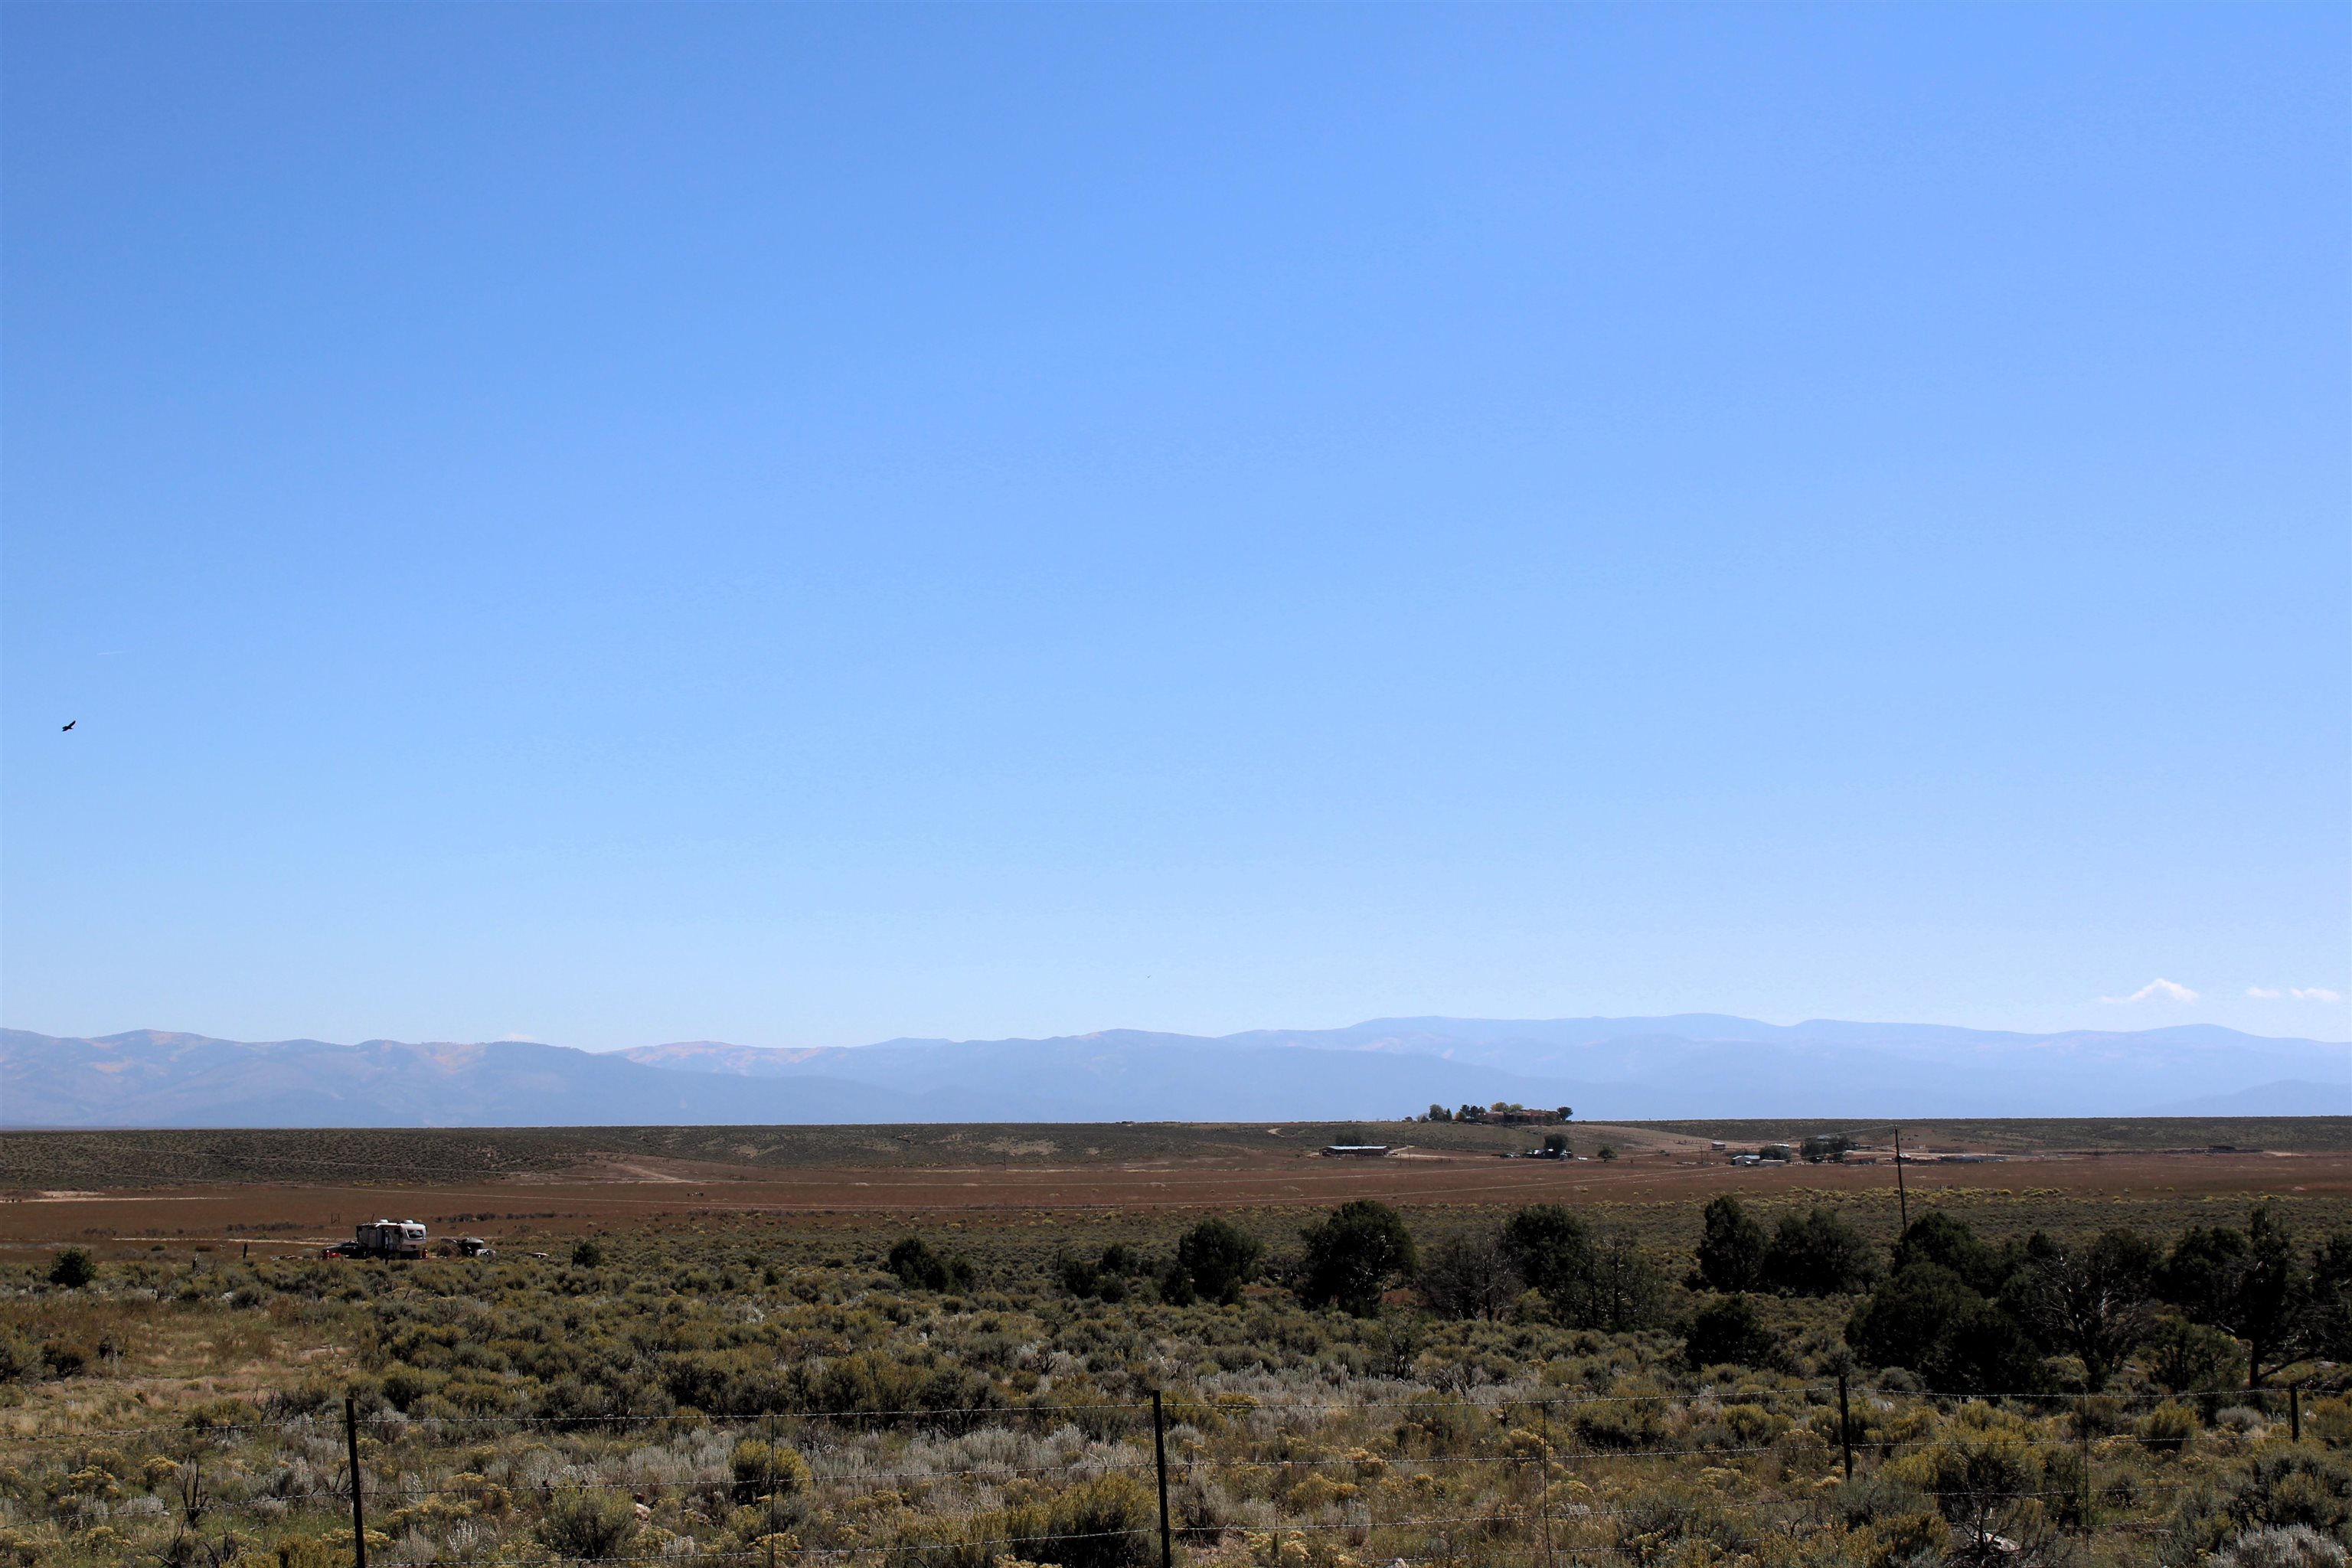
(2155,990)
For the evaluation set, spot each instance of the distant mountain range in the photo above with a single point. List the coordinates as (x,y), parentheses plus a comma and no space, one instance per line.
(1689,1065)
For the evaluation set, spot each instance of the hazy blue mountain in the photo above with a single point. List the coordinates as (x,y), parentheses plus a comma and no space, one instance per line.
(2288,1097)
(1872,1068)
(147,1078)
(1685,1065)
(1689,1065)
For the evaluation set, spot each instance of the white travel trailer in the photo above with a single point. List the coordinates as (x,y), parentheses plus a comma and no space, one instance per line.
(391,1238)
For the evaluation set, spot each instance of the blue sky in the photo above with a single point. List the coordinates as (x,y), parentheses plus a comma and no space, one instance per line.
(799,525)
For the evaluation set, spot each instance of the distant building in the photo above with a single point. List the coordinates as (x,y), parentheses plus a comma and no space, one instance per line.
(1506,1114)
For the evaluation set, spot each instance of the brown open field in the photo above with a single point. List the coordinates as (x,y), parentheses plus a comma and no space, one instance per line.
(442,1156)
(534,1182)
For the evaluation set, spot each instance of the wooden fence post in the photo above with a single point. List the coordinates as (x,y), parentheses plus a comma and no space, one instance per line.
(1543,1481)
(1159,1463)
(1845,1430)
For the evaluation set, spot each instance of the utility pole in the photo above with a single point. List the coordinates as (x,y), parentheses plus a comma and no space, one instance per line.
(1901,1196)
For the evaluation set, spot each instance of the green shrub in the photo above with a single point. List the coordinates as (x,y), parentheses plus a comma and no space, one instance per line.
(1678,1522)
(1435,1427)
(1982,1477)
(2166,1429)
(2294,1486)
(921,1268)
(2292,1546)
(588,1525)
(588,1253)
(1728,1330)
(1107,1522)
(72,1269)
(1633,1416)
(67,1357)
(765,1469)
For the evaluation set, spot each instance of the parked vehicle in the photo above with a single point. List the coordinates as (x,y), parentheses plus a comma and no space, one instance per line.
(383,1238)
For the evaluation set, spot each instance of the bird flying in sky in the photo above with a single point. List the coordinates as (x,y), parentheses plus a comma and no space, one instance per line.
(69,724)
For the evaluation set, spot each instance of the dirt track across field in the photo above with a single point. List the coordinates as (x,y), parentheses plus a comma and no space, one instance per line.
(288,1217)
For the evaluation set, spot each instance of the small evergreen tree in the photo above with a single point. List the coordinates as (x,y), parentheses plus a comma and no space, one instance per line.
(2091,1300)
(1550,1249)
(1820,1254)
(2251,1283)
(2327,1319)
(1627,1292)
(1588,1284)
(1731,1247)
(1928,1319)
(1468,1276)
(1727,1329)
(1948,1242)
(1353,1256)
(1218,1259)
(919,1268)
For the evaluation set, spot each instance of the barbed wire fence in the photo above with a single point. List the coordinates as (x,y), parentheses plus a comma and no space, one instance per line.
(1556,1492)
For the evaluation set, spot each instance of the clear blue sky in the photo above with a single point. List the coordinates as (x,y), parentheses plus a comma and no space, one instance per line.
(799,525)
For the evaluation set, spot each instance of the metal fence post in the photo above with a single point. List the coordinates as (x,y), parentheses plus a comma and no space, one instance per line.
(2294,1411)
(359,1520)
(1159,1463)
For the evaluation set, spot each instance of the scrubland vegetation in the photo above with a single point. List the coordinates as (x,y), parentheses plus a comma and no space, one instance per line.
(2020,1382)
